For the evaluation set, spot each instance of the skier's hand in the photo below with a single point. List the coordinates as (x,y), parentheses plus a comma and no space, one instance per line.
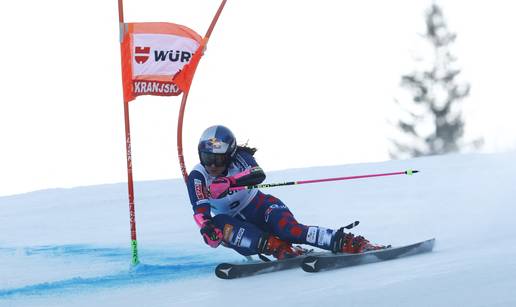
(220,187)
(211,234)
(209,231)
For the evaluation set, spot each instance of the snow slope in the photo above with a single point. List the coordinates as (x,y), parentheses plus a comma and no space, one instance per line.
(70,247)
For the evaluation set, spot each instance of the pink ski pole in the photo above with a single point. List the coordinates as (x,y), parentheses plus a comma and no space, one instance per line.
(271,185)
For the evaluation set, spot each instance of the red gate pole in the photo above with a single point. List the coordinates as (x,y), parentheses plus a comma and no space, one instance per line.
(185,97)
(130,185)
(180,137)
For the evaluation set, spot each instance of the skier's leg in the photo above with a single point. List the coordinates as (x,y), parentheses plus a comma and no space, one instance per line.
(277,219)
(282,222)
(239,235)
(272,215)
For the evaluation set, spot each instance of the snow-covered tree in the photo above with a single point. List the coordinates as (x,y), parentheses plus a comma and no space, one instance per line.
(432,122)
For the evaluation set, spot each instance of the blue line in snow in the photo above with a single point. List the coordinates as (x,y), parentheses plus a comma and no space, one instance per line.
(168,265)
(142,273)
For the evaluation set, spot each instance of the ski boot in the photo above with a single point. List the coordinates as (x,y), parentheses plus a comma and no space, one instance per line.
(272,245)
(351,244)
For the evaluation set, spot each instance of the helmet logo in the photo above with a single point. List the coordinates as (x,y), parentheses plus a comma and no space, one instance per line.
(214,143)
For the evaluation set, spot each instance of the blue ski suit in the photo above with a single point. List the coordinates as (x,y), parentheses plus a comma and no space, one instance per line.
(245,216)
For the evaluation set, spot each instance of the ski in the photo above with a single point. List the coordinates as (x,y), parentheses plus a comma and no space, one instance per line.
(243,269)
(249,268)
(328,261)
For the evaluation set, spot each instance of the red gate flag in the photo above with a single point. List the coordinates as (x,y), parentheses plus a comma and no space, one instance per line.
(155,57)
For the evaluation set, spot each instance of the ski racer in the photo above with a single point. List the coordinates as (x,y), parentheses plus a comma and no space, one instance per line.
(249,221)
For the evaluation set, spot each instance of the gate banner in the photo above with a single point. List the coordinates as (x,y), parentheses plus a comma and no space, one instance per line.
(153,54)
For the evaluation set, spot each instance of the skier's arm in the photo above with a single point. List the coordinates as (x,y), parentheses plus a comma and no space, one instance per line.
(251,176)
(198,193)
(252,173)
(201,207)
(220,187)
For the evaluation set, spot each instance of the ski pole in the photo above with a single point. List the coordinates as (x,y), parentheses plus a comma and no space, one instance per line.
(279,184)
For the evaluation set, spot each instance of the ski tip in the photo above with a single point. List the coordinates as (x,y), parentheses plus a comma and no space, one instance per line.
(429,244)
(310,264)
(224,271)
(411,171)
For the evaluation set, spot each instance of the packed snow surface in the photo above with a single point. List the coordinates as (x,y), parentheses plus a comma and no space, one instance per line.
(70,247)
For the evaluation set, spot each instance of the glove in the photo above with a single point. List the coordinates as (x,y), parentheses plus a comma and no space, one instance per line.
(211,234)
(220,187)
(209,231)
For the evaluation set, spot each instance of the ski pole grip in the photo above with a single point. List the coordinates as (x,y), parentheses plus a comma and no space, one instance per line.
(237,188)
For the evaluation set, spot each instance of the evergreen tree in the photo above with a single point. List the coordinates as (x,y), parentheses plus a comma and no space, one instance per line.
(432,123)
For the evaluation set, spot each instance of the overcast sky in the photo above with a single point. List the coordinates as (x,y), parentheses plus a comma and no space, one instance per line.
(309,83)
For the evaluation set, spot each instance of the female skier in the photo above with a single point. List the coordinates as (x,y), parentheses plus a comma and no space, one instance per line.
(250,221)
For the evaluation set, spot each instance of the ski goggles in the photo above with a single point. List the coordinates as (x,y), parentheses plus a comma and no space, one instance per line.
(208,159)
